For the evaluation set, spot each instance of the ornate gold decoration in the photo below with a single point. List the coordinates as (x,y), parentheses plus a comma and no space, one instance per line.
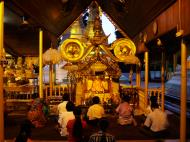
(72,49)
(145,37)
(123,47)
(108,52)
(159,42)
(70,67)
(155,27)
(98,67)
(132,60)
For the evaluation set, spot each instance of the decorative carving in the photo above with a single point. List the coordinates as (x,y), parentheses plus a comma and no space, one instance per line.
(123,47)
(72,49)
(155,27)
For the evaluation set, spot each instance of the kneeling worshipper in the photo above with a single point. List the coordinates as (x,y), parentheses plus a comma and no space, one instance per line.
(37,114)
(125,112)
(156,123)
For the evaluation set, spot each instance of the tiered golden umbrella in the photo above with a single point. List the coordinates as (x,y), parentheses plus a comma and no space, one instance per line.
(50,57)
(70,67)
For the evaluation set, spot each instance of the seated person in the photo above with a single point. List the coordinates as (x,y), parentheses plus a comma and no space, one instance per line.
(96,111)
(125,112)
(102,136)
(156,121)
(65,117)
(153,99)
(76,126)
(62,106)
(36,113)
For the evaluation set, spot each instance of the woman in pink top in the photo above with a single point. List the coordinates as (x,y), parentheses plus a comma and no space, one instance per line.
(75,127)
(125,112)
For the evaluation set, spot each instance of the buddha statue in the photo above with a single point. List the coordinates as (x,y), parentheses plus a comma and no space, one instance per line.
(97,85)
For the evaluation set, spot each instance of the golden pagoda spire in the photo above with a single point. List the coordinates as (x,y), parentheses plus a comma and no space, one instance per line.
(94,31)
(93,11)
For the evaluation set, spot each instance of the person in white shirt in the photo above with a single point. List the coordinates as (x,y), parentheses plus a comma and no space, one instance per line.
(153,99)
(157,121)
(96,111)
(65,117)
(62,106)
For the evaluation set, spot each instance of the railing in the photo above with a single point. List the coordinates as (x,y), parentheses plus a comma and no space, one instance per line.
(56,98)
(19,92)
(151,91)
(138,96)
(155,92)
(18,97)
(57,91)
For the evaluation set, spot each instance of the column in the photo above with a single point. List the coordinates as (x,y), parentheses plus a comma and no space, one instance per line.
(183,92)
(162,79)
(1,72)
(146,78)
(40,63)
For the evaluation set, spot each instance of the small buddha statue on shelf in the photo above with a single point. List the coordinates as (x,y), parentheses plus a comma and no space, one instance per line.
(19,67)
(29,69)
(19,63)
(20,77)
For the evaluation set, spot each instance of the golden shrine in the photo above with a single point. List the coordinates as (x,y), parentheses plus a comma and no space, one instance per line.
(94,63)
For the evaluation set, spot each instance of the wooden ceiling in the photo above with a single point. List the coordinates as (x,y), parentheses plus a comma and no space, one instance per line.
(55,16)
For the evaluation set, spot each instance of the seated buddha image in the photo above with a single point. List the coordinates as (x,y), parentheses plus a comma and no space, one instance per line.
(20,70)
(97,85)
(19,63)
